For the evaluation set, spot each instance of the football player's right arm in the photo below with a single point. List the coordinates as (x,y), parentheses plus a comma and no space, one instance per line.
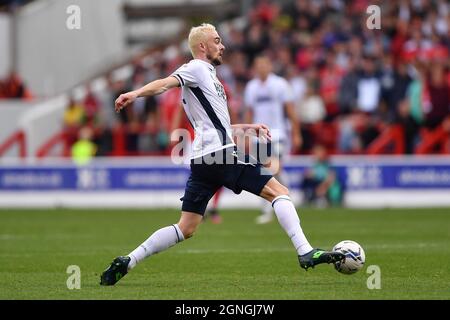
(152,89)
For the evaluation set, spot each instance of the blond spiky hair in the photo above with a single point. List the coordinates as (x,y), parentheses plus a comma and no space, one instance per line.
(198,34)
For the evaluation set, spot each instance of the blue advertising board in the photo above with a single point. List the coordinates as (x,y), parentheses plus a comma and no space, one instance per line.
(360,175)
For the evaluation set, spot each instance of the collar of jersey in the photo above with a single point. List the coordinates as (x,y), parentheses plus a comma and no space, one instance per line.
(210,66)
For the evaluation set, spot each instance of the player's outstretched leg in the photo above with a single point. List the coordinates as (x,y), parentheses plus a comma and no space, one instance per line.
(288,218)
(159,241)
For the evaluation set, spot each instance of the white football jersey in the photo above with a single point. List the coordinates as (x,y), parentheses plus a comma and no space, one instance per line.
(205,103)
(266,100)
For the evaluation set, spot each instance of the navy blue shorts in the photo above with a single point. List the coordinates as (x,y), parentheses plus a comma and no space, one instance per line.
(227,168)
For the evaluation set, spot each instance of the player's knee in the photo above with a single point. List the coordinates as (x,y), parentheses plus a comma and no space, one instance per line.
(274,189)
(281,190)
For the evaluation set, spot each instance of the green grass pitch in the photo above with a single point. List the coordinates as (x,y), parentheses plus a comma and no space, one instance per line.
(235,260)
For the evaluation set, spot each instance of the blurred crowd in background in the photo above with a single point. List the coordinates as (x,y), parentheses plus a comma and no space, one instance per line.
(10,5)
(349,82)
(13,87)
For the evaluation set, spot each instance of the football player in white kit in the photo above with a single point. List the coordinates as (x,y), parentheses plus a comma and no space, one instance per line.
(215,161)
(269,100)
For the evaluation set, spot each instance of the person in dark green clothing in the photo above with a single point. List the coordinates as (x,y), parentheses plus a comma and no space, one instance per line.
(320,184)
(84,149)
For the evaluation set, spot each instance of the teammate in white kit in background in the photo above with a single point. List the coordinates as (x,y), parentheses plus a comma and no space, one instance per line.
(269,100)
(205,103)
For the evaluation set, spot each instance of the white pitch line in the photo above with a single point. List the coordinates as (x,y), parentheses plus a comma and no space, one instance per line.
(397,246)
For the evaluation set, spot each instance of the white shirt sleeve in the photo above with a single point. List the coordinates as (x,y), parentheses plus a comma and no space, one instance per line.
(187,74)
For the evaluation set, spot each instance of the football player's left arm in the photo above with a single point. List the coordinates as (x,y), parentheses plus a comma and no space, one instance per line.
(297,140)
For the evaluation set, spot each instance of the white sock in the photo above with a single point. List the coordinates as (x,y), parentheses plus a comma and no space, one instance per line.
(288,219)
(160,240)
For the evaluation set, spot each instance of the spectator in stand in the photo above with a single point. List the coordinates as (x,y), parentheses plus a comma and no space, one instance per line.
(330,79)
(74,115)
(395,81)
(298,82)
(348,90)
(299,85)
(14,88)
(409,125)
(320,184)
(417,94)
(310,110)
(132,134)
(265,11)
(282,61)
(257,40)
(306,55)
(74,118)
(439,91)
(84,149)
(106,116)
(91,107)
(368,101)
(368,87)
(103,140)
(148,141)
(238,64)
